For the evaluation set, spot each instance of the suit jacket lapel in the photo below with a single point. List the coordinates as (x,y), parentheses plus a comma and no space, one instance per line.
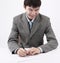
(25,24)
(36,24)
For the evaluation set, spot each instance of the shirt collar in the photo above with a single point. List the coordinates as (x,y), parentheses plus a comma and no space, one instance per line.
(28,19)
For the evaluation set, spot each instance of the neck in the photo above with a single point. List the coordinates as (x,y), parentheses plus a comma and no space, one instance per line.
(30,19)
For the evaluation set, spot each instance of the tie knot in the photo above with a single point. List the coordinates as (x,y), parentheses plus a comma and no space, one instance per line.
(31,24)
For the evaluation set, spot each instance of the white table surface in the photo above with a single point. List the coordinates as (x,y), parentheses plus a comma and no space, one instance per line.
(50,57)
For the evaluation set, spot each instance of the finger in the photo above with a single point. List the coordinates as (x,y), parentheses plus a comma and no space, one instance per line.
(23,50)
(28,52)
(31,51)
(21,53)
(34,53)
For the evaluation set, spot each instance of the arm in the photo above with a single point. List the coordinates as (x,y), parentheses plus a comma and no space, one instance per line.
(51,39)
(13,38)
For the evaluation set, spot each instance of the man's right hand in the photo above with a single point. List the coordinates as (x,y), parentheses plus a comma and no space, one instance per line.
(21,52)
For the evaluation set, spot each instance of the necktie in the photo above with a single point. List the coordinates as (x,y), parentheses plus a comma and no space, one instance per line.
(30,25)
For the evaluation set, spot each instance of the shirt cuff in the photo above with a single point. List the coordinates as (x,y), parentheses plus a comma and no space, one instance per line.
(41,51)
(15,51)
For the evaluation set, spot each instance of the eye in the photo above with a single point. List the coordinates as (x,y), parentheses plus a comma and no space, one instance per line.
(37,10)
(30,10)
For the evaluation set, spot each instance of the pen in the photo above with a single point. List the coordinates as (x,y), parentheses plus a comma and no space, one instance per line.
(24,49)
(23,46)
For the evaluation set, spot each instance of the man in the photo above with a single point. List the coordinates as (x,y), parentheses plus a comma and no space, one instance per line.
(26,37)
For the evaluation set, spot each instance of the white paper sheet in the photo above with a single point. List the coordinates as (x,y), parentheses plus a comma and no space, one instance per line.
(7,57)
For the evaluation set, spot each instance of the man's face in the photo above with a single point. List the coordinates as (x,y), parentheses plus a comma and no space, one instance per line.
(32,12)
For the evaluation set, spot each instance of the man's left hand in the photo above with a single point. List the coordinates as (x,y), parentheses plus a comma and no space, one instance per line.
(33,51)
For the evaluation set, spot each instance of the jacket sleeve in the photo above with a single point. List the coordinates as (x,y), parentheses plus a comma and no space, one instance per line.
(13,38)
(51,39)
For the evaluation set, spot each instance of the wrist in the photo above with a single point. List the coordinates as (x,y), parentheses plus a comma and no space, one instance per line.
(16,51)
(40,49)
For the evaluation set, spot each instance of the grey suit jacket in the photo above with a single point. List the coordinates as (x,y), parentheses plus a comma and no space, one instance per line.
(20,33)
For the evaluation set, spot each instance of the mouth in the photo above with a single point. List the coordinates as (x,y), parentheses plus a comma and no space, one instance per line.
(32,16)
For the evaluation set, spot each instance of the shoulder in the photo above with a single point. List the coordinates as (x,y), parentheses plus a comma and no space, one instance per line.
(17,18)
(44,17)
(45,20)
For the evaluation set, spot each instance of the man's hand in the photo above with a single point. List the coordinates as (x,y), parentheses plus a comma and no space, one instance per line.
(33,51)
(21,52)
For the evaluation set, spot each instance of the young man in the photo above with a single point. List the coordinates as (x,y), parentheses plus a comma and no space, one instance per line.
(30,28)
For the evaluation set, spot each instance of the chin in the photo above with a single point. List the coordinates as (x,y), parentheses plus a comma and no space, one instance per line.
(32,17)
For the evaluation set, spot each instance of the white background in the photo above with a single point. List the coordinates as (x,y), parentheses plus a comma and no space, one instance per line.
(11,8)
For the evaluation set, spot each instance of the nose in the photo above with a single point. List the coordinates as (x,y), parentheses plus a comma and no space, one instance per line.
(34,13)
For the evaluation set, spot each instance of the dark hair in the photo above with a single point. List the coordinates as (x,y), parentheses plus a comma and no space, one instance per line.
(33,3)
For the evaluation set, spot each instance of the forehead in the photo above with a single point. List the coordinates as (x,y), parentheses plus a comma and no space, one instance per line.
(32,7)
